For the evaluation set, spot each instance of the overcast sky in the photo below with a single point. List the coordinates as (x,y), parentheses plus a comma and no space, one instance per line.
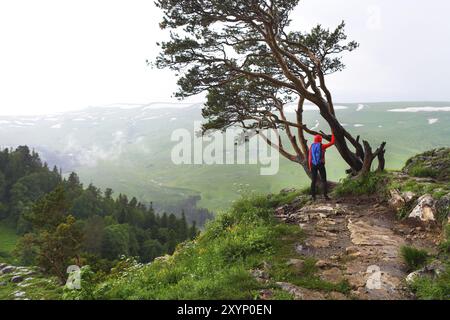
(59,55)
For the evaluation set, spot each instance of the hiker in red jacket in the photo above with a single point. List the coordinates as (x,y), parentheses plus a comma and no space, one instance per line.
(316,161)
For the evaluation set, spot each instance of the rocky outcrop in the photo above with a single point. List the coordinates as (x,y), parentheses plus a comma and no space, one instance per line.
(396,201)
(378,241)
(16,279)
(18,282)
(443,207)
(425,209)
(434,163)
(7,269)
(399,200)
(433,270)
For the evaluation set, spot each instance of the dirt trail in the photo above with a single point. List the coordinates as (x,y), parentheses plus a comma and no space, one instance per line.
(358,240)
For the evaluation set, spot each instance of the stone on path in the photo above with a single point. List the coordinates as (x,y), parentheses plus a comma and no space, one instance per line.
(425,209)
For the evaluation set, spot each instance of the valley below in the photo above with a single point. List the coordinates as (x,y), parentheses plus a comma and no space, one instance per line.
(128,148)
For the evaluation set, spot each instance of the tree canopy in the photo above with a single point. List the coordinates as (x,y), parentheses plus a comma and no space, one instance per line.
(251,64)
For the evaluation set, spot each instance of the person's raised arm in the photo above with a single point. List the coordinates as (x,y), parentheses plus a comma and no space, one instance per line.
(309,159)
(326,146)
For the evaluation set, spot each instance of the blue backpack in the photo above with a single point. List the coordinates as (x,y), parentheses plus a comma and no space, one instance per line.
(316,154)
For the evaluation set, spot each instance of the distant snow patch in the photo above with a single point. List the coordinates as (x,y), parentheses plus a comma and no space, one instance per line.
(340,107)
(433,120)
(422,109)
(358,125)
(360,107)
(56,126)
(173,119)
(316,126)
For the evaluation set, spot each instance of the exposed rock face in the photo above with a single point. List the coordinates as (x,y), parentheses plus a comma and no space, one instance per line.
(281,210)
(374,240)
(409,196)
(396,201)
(359,243)
(425,209)
(399,200)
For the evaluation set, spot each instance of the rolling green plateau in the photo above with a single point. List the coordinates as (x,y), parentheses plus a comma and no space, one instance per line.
(128,148)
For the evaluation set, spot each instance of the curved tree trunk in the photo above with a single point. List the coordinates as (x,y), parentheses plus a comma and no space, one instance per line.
(360,161)
(340,133)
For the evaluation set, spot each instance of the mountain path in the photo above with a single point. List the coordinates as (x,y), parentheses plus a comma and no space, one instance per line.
(357,240)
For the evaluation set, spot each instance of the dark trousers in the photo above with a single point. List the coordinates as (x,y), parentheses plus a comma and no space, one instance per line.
(315,170)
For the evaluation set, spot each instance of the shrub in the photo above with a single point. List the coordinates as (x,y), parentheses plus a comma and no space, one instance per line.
(214,266)
(422,172)
(427,288)
(372,183)
(413,257)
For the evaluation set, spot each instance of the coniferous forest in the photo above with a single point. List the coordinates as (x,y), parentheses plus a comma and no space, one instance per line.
(61,222)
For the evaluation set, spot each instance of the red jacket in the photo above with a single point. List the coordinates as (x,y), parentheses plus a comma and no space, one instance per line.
(318,139)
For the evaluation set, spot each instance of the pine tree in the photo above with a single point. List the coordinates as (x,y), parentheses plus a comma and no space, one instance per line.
(183,227)
(193,232)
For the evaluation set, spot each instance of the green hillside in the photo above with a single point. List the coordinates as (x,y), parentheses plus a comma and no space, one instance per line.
(283,246)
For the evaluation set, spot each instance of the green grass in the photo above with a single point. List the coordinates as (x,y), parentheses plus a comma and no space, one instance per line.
(217,264)
(370,184)
(445,245)
(427,288)
(436,287)
(414,258)
(423,172)
(8,240)
(34,287)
